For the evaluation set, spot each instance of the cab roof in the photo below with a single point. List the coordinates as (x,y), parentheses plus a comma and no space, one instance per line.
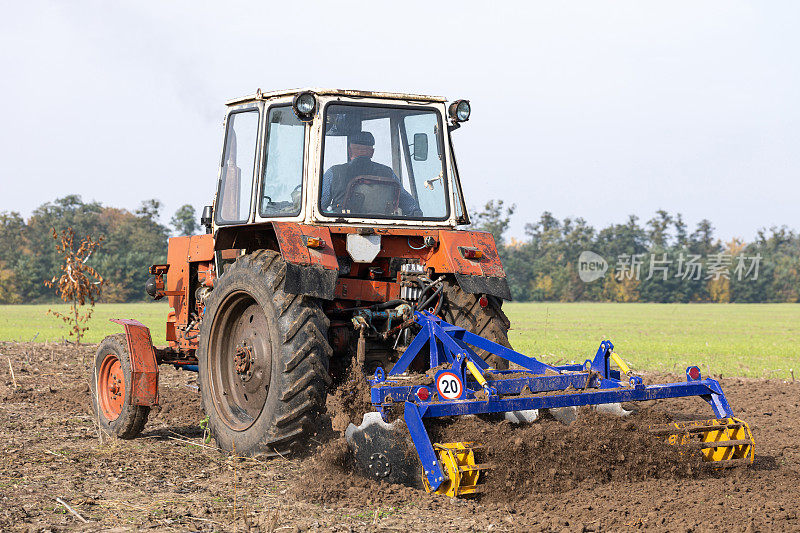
(259,95)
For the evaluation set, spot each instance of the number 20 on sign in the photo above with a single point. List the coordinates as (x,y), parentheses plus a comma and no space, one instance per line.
(449,386)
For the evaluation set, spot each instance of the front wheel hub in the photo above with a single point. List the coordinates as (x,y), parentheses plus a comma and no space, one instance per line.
(243,361)
(111,387)
(239,360)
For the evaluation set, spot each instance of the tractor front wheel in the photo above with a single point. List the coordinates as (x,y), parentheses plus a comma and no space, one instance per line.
(110,384)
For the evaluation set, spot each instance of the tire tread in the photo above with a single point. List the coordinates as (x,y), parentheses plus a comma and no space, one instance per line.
(302,328)
(463,309)
(132,420)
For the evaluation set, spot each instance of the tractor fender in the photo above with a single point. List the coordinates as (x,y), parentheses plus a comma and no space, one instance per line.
(480,284)
(484,275)
(144,366)
(310,270)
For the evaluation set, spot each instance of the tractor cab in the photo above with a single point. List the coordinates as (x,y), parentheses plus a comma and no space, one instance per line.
(332,157)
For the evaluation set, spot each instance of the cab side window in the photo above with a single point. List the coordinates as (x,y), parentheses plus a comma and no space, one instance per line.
(238,165)
(282,185)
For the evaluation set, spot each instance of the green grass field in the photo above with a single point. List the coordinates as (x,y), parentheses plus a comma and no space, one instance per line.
(24,322)
(752,340)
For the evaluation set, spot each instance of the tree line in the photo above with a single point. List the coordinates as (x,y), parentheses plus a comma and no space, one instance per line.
(661,260)
(132,241)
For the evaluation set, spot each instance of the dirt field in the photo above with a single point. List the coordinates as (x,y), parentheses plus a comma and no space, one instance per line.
(576,478)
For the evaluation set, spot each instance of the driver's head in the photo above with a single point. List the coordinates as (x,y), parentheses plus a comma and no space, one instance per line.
(361,144)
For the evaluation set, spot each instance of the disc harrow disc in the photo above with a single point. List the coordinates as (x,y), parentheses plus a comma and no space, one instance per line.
(381,451)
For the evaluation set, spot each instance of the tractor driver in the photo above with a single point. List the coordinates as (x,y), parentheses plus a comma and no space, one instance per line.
(360,148)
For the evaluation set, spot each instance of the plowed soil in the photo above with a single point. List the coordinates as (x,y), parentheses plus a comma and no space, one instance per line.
(599,474)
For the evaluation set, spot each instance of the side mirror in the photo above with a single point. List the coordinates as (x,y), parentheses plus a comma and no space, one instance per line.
(207,217)
(420,147)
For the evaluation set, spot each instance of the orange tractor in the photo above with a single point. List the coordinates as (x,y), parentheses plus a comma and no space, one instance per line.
(334,222)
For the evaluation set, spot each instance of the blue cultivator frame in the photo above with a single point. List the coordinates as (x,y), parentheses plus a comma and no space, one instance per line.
(451,351)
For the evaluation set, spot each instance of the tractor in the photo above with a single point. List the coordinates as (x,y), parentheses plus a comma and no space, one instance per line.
(331,205)
(332,245)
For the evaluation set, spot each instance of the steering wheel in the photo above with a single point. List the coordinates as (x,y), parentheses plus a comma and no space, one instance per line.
(294,192)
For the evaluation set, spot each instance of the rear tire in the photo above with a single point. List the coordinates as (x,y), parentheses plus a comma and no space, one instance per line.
(263,359)
(463,309)
(110,384)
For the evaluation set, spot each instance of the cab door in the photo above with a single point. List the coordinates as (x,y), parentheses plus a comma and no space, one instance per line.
(238,166)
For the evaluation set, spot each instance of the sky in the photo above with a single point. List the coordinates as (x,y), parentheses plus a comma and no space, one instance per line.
(592,109)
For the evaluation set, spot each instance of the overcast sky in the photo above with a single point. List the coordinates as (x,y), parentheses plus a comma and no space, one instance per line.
(593,109)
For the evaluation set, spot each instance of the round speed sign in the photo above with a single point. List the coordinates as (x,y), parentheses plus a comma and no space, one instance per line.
(449,386)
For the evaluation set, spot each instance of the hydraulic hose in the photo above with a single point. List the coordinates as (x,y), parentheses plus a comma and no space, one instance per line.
(387,305)
(430,299)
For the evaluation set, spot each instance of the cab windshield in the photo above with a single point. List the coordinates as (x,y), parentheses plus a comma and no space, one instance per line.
(383,162)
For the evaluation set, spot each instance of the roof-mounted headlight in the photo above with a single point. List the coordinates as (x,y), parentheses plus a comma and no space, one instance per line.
(304,105)
(459,110)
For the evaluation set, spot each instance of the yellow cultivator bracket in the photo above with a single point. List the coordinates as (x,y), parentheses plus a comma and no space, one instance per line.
(723,441)
(462,471)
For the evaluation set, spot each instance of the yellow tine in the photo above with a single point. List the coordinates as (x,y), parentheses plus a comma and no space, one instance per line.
(724,443)
(470,468)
